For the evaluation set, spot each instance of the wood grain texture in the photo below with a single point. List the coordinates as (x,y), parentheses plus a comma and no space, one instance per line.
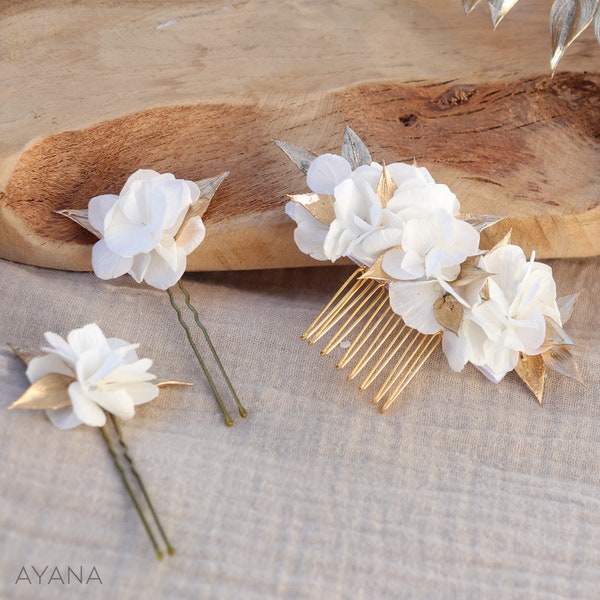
(102,90)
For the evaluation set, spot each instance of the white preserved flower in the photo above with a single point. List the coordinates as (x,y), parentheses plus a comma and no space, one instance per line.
(364,228)
(142,231)
(510,319)
(431,253)
(107,373)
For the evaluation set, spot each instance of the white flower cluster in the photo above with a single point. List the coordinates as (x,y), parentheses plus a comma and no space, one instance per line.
(143,229)
(107,375)
(422,246)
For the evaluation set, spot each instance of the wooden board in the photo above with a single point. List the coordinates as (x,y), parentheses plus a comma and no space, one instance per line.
(94,91)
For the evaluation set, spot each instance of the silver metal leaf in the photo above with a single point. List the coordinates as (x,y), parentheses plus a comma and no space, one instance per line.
(209,186)
(479,222)
(560,359)
(80,217)
(469,5)
(299,156)
(565,306)
(597,24)
(354,150)
(499,9)
(568,18)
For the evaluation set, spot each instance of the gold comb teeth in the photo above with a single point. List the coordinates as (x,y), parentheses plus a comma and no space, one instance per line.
(363,304)
(422,279)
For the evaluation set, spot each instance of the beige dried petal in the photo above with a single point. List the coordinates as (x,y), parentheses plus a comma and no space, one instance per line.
(532,371)
(319,206)
(50,392)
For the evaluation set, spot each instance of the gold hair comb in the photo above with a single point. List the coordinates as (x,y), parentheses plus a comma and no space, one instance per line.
(422,279)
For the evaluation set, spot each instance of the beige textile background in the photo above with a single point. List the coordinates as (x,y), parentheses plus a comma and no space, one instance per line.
(464,489)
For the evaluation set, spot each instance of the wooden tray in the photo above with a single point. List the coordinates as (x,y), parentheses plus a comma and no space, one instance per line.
(93,92)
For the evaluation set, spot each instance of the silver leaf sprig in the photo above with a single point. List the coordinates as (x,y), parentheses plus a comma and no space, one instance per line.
(568,19)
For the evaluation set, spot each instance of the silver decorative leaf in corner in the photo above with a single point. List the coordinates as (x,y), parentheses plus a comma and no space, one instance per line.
(499,9)
(299,156)
(568,18)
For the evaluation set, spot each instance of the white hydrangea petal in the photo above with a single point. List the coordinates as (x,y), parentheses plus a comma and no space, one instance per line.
(60,347)
(380,240)
(414,302)
(168,251)
(160,275)
(456,348)
(139,267)
(139,175)
(63,418)
(530,332)
(132,372)
(142,392)
(131,355)
(85,409)
(116,402)
(98,208)
(192,235)
(127,240)
(48,363)
(107,264)
(326,171)
(88,337)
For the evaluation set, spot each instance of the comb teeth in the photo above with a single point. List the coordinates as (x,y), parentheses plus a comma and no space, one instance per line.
(383,337)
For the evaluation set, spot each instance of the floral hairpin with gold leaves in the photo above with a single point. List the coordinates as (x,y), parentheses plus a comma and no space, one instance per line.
(78,380)
(422,279)
(147,231)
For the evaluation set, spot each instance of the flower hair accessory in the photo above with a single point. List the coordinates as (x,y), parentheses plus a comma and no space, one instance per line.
(79,380)
(147,231)
(422,279)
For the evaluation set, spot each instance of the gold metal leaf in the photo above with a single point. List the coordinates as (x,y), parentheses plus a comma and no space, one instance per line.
(80,217)
(566,305)
(50,392)
(568,18)
(354,150)
(532,371)
(448,312)
(386,188)
(25,354)
(560,359)
(479,222)
(299,156)
(169,382)
(375,271)
(320,206)
(469,273)
(503,242)
(209,186)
